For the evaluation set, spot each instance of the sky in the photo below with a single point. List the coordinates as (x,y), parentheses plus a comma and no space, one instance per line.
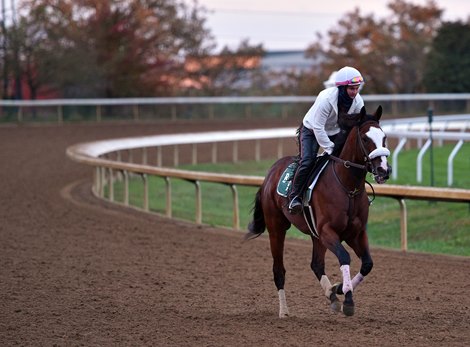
(293,24)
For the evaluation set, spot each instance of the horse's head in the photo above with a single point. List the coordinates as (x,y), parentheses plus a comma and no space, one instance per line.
(372,144)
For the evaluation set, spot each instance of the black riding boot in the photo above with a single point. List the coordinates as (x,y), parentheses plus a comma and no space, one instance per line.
(298,185)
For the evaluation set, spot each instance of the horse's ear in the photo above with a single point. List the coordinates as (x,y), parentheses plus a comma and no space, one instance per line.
(378,113)
(363,114)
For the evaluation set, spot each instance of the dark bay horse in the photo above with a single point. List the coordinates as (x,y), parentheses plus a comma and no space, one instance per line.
(340,208)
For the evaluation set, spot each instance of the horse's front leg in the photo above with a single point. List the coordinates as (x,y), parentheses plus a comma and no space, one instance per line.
(331,241)
(318,267)
(360,245)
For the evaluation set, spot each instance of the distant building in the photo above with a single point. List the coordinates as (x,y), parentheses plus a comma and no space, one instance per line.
(240,72)
(292,61)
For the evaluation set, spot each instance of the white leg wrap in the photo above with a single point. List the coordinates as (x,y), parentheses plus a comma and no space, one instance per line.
(357,280)
(283,310)
(326,285)
(347,283)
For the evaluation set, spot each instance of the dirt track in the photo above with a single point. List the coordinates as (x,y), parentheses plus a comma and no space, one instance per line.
(77,271)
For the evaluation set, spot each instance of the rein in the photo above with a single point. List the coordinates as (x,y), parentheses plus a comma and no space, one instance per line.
(348,164)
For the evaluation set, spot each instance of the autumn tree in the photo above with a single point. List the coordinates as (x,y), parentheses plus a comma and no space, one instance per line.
(390,52)
(114,48)
(448,66)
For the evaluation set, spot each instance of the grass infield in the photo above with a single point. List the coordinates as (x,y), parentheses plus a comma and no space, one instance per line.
(434,227)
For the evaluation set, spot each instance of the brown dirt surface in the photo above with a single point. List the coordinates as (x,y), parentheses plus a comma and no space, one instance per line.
(78,271)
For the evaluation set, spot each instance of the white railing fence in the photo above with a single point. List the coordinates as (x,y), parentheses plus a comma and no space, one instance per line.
(106,170)
(182,108)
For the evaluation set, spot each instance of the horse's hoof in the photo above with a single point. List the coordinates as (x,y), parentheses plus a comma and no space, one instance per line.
(348,310)
(335,304)
(283,315)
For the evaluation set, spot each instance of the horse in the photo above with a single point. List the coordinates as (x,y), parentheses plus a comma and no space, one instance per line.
(340,209)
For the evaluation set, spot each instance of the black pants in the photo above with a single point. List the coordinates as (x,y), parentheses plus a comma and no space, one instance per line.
(308,156)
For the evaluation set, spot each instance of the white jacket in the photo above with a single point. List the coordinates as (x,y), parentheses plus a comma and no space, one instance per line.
(322,117)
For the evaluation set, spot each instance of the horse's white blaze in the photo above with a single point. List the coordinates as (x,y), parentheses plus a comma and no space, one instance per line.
(283,310)
(377,136)
(347,283)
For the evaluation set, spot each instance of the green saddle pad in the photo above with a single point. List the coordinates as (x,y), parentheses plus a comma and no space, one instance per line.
(285,182)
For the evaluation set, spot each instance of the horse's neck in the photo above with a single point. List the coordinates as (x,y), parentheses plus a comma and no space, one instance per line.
(352,152)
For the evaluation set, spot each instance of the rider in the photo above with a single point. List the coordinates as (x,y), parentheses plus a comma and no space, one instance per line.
(320,125)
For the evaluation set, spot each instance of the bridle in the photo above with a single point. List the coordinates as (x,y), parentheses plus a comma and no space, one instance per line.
(368,166)
(368,156)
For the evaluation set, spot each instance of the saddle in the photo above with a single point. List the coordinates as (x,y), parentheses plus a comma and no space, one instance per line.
(285,181)
(285,185)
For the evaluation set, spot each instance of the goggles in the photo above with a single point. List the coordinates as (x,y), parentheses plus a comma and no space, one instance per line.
(352,81)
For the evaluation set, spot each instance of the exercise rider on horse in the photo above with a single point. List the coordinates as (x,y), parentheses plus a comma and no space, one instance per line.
(320,126)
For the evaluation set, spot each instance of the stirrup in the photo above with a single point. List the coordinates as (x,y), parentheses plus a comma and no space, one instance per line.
(295,205)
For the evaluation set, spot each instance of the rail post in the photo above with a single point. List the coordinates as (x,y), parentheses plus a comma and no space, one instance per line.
(197,184)
(146,192)
(194,154)
(96,181)
(20,114)
(214,152)
(126,187)
(430,112)
(159,156)
(144,156)
(102,181)
(135,112)
(168,211)
(98,113)
(257,150)
(175,156)
(111,185)
(60,115)
(450,161)
(235,152)
(403,225)
(236,210)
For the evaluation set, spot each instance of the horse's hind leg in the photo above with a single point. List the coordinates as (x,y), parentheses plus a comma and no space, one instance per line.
(318,268)
(277,236)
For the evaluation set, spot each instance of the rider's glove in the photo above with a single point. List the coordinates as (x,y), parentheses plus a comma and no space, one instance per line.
(329,150)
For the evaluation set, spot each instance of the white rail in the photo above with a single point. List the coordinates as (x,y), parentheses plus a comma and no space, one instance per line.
(59,104)
(89,153)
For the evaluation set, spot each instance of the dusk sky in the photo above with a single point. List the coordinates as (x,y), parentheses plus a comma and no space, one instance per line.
(284,25)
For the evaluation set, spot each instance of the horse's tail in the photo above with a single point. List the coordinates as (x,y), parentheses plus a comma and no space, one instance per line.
(257,225)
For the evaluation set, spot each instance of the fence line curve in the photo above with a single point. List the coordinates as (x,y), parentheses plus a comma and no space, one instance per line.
(93,153)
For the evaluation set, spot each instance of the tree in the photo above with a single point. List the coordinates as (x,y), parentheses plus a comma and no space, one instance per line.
(390,52)
(114,48)
(231,71)
(448,65)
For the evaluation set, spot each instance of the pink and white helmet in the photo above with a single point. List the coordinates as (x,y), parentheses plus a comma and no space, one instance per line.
(348,76)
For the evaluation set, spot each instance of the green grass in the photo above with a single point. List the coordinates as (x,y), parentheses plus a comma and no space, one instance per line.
(435,227)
